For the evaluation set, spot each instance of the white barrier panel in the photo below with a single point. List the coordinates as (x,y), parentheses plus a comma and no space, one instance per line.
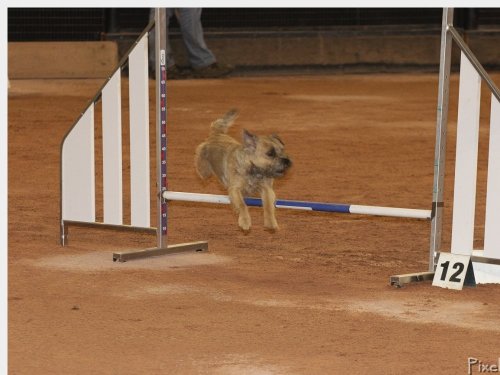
(78,171)
(492,223)
(464,199)
(112,151)
(139,134)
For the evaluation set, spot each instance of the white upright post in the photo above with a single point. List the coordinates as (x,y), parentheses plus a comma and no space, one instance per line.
(78,171)
(464,198)
(139,135)
(492,222)
(112,151)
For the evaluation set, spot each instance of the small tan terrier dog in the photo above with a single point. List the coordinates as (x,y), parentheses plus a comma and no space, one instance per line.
(244,169)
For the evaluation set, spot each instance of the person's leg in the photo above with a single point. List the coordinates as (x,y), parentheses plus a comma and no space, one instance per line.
(169,54)
(192,35)
(151,41)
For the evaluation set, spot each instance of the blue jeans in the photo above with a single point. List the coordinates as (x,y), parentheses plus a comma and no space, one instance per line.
(192,35)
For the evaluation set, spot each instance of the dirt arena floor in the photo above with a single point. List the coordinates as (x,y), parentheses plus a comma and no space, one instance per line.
(313,298)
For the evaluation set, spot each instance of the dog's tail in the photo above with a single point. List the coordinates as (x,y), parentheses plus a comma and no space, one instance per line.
(221,125)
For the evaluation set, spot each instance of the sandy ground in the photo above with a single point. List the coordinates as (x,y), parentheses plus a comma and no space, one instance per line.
(313,298)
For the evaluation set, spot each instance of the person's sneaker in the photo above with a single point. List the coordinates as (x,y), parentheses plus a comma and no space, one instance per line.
(215,70)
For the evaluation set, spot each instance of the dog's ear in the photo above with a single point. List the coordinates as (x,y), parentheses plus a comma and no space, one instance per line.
(274,136)
(249,140)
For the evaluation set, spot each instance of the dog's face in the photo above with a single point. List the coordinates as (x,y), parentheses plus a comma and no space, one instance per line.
(266,154)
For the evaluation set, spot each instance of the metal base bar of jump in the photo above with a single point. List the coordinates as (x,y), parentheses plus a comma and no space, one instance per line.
(400,280)
(170,249)
(302,205)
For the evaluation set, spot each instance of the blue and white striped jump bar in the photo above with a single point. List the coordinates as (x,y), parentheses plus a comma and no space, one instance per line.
(308,206)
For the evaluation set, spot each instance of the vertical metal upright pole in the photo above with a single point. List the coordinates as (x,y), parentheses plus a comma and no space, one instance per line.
(441,132)
(161,123)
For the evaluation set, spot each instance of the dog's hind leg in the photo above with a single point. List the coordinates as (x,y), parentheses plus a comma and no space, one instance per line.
(201,163)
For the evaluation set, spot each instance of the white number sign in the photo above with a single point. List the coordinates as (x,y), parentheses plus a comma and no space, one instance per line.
(452,270)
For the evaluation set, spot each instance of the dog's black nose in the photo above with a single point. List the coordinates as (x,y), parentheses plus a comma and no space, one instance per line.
(286,162)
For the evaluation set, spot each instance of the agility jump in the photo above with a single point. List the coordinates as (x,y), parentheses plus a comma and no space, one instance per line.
(78,196)
(78,170)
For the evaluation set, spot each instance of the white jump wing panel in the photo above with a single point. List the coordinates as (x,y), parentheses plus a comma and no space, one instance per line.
(464,198)
(112,151)
(139,135)
(492,223)
(78,171)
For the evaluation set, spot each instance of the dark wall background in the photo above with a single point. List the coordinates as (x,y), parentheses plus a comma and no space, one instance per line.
(79,24)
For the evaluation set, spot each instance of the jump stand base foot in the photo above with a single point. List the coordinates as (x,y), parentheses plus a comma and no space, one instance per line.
(400,280)
(170,249)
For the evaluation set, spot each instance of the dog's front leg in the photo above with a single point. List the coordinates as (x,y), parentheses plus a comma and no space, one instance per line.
(268,204)
(241,208)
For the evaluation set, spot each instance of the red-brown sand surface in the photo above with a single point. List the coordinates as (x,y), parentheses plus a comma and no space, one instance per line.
(313,298)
